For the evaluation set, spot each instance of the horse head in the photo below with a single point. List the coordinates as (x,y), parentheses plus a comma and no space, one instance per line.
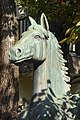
(32,44)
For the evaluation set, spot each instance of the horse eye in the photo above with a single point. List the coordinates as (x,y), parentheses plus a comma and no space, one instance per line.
(37,36)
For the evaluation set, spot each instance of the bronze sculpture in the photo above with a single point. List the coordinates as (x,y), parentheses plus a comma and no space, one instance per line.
(51,92)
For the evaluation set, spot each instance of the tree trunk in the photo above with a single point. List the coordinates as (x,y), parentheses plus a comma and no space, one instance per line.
(8,72)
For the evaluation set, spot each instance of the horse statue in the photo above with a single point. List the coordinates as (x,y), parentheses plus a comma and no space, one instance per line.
(51,92)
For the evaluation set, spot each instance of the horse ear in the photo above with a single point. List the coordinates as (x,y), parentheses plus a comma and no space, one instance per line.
(32,21)
(44,22)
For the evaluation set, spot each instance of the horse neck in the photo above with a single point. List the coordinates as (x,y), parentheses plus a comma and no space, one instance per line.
(40,78)
(48,76)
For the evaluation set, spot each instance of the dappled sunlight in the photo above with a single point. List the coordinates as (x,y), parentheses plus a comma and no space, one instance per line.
(51,95)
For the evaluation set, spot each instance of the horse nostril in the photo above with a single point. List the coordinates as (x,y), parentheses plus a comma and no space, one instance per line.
(18,52)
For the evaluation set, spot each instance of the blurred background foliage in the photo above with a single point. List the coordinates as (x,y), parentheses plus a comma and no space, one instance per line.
(65,12)
(72,34)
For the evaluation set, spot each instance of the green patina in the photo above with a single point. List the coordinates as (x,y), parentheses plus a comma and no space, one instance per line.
(50,86)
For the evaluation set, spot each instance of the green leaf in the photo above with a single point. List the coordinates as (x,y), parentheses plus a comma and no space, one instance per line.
(78,30)
(62,41)
(74,41)
(78,24)
(77,19)
(72,32)
(68,31)
(73,36)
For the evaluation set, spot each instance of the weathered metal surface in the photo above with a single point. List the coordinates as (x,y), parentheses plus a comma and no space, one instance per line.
(50,88)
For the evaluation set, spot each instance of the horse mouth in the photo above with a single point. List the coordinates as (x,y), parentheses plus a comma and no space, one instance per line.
(17,61)
(21,60)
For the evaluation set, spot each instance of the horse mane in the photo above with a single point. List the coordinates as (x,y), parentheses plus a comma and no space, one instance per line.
(60,61)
